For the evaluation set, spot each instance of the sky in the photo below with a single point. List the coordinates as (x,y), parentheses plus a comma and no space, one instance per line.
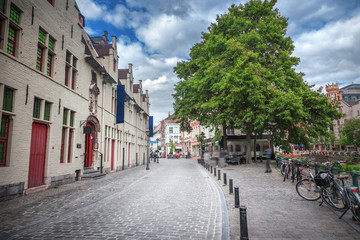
(154,35)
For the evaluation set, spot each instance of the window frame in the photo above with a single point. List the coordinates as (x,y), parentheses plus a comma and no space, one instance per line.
(5,139)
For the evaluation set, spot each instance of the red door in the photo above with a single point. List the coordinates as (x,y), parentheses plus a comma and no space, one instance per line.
(88,147)
(37,155)
(112,154)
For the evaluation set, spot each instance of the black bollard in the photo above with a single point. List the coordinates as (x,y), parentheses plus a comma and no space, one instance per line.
(219,175)
(243,224)
(237,198)
(215,171)
(211,169)
(157,159)
(230,186)
(225,180)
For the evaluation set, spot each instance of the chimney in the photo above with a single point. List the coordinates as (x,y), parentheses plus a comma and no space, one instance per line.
(113,39)
(106,37)
(130,67)
(169,114)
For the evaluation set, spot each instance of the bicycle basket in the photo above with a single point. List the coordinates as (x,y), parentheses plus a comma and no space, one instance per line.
(322,179)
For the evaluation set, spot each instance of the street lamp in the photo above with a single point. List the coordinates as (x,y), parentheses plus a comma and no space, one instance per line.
(147,158)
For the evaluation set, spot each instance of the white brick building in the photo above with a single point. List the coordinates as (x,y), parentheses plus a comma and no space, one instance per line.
(56,83)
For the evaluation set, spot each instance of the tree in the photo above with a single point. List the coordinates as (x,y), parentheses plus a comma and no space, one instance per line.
(242,75)
(172,147)
(350,133)
(201,139)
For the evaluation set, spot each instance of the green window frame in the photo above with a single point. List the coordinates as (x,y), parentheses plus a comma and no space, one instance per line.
(49,65)
(42,36)
(65,116)
(72,116)
(8,99)
(39,58)
(47,111)
(68,56)
(74,62)
(11,46)
(4,137)
(37,106)
(51,44)
(14,15)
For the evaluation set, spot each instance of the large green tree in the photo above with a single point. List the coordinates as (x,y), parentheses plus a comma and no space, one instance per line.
(242,75)
(350,133)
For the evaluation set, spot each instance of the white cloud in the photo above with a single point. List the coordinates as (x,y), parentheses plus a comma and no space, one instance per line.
(330,54)
(90,9)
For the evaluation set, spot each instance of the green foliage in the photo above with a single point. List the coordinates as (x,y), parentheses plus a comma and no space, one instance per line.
(350,133)
(242,75)
(172,147)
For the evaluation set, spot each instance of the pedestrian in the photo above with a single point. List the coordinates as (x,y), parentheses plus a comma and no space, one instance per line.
(155,155)
(268,157)
(223,154)
(186,154)
(207,157)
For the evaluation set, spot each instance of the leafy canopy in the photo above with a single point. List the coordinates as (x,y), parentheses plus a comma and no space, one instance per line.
(242,75)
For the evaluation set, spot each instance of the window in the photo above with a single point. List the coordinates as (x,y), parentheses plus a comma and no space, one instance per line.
(8,99)
(47,111)
(2,6)
(42,109)
(67,133)
(70,70)
(13,31)
(4,136)
(230,131)
(114,65)
(171,130)
(7,109)
(37,106)
(45,50)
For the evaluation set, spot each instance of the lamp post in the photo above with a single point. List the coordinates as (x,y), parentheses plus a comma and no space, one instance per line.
(147,155)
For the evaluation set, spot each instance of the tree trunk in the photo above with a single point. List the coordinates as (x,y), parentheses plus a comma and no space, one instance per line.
(225,138)
(255,157)
(248,146)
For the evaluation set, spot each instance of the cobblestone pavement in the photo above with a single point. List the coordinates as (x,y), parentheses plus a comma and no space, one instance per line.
(175,199)
(276,211)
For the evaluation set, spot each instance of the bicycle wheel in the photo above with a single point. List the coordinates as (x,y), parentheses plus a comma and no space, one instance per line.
(355,207)
(282,169)
(332,197)
(286,172)
(308,190)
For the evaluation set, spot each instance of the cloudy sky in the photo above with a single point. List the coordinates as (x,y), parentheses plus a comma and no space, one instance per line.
(154,35)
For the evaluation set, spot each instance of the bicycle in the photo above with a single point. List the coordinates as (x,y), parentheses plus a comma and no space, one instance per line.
(307,188)
(289,169)
(337,197)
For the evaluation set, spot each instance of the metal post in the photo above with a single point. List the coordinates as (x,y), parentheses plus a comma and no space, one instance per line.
(123,159)
(355,175)
(237,198)
(147,162)
(157,158)
(101,162)
(211,169)
(230,186)
(215,171)
(225,180)
(243,224)
(219,175)
(316,168)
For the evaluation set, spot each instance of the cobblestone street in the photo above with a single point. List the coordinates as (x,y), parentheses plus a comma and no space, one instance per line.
(276,211)
(173,200)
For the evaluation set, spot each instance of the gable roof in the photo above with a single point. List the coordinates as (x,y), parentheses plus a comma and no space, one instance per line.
(136,88)
(103,49)
(122,73)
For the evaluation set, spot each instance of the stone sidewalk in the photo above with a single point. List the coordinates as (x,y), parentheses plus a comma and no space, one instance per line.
(276,211)
(173,200)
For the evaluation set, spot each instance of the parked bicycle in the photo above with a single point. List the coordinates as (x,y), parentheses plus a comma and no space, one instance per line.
(307,187)
(336,196)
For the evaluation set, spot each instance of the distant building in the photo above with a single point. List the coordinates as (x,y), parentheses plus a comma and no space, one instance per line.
(349,97)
